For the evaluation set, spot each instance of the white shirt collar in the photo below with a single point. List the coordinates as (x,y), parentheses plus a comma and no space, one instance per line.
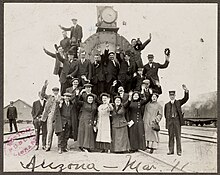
(172,101)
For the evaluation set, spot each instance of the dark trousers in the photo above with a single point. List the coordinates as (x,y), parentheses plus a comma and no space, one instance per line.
(174,130)
(64,86)
(15,125)
(40,125)
(64,136)
(98,88)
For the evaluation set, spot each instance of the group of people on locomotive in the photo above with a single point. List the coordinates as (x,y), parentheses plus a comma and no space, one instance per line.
(108,105)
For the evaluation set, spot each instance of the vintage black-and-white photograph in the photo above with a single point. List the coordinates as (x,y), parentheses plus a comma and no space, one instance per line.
(110,87)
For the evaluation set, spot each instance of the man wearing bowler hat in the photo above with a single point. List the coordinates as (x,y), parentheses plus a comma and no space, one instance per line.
(75,31)
(50,111)
(174,119)
(151,68)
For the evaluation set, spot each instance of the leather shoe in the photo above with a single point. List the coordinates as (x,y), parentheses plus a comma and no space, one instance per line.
(43,147)
(48,149)
(59,151)
(170,153)
(151,150)
(37,147)
(179,154)
(65,150)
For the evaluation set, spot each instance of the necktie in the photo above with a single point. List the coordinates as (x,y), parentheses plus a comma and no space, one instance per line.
(113,62)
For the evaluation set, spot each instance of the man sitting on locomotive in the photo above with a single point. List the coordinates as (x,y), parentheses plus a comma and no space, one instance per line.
(58,65)
(128,68)
(151,68)
(85,68)
(138,47)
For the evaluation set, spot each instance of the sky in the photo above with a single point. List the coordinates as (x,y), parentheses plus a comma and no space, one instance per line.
(30,27)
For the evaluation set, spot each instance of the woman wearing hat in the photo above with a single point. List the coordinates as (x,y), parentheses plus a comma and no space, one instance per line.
(135,114)
(103,137)
(153,113)
(88,110)
(120,140)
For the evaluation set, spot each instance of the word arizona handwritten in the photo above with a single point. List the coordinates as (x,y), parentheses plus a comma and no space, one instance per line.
(32,166)
(130,165)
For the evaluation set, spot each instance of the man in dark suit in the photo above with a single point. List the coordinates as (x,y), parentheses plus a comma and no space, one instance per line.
(69,71)
(84,68)
(65,42)
(137,47)
(37,110)
(12,116)
(75,31)
(128,69)
(111,68)
(151,68)
(174,119)
(98,74)
(58,65)
(68,118)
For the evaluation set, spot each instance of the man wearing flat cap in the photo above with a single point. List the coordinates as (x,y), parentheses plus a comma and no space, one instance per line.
(75,31)
(69,122)
(151,68)
(174,119)
(50,112)
(127,70)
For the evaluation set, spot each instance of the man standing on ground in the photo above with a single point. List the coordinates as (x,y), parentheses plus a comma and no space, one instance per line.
(37,110)
(12,116)
(174,119)
(49,113)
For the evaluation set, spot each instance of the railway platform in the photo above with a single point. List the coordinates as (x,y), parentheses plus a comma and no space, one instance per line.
(197,156)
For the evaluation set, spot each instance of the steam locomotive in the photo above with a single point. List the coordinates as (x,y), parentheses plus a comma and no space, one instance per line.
(107,31)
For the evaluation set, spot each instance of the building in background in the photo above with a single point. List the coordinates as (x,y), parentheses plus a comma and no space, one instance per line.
(23,110)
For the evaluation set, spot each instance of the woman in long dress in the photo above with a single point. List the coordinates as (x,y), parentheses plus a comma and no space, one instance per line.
(153,113)
(103,137)
(135,114)
(120,140)
(86,135)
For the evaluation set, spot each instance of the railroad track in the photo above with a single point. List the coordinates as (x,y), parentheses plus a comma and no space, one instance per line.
(196,137)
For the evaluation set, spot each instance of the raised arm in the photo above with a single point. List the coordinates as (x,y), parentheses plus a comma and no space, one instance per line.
(163,66)
(43,91)
(49,53)
(112,88)
(186,95)
(142,47)
(65,28)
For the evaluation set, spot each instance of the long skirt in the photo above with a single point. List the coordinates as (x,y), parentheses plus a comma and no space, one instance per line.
(86,136)
(120,140)
(137,136)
